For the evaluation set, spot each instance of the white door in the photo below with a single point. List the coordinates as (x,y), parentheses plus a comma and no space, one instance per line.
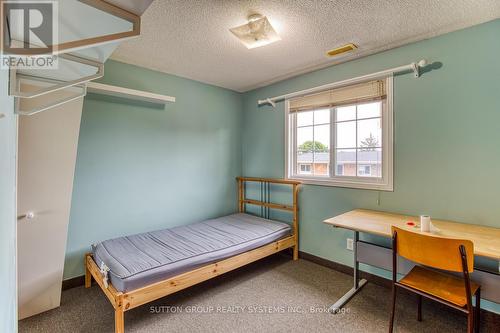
(46,163)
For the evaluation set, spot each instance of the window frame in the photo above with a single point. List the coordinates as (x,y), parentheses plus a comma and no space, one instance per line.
(385,183)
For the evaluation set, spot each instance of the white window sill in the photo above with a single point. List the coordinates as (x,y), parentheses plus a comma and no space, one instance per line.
(356,184)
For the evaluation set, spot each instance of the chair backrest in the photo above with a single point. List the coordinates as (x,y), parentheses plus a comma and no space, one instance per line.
(430,250)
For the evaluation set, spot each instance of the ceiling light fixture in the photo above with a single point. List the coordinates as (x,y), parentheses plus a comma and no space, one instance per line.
(343,49)
(257,32)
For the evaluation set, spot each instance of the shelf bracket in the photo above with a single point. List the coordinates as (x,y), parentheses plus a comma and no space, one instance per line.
(48,106)
(415,69)
(44,107)
(14,87)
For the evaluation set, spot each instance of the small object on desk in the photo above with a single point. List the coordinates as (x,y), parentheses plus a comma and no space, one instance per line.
(425,223)
(410,223)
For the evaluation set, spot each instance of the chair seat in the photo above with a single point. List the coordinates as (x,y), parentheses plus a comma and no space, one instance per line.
(444,286)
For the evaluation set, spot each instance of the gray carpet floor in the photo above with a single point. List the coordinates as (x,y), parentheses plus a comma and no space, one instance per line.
(273,295)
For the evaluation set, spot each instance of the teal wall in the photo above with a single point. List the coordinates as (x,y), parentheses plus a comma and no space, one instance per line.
(8,279)
(447,138)
(141,168)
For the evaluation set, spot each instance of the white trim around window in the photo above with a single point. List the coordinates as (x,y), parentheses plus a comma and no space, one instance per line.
(383,183)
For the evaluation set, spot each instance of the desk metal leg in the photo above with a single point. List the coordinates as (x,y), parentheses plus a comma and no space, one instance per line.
(358,284)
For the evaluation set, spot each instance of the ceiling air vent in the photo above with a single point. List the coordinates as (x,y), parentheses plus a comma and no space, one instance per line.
(340,50)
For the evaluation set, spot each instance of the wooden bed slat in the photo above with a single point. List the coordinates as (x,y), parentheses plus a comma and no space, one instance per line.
(269,180)
(269,204)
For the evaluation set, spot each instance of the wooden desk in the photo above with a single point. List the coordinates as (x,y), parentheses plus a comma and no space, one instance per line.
(486,239)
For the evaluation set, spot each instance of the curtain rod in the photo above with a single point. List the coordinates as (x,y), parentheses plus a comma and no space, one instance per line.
(414,66)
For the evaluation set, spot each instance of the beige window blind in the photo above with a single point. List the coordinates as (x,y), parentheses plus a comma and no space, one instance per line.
(358,93)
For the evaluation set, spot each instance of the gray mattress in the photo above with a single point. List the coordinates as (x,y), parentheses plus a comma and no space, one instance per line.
(138,260)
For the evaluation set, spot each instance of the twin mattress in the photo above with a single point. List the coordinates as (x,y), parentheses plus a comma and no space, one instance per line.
(138,260)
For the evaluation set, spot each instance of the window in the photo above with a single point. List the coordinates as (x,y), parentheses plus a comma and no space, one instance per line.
(342,137)
(364,170)
(305,168)
(340,169)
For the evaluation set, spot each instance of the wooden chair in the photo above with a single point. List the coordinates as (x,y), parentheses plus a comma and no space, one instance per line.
(456,255)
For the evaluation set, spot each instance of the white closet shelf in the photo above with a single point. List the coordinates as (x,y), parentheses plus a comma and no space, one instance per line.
(106,89)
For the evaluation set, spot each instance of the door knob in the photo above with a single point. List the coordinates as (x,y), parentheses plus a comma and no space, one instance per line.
(27,216)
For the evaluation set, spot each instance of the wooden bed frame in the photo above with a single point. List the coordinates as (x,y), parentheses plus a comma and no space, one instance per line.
(124,301)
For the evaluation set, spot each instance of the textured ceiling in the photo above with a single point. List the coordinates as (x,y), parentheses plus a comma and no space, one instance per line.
(190,38)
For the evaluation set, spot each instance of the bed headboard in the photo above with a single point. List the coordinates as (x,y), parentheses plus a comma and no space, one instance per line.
(264,201)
